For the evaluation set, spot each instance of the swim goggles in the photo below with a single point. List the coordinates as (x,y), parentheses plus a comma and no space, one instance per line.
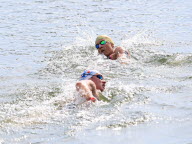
(99,76)
(103,42)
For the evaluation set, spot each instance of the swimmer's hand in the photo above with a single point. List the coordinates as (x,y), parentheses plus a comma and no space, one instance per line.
(117,53)
(114,56)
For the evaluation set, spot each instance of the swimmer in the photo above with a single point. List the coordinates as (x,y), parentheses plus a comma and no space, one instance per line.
(90,85)
(105,45)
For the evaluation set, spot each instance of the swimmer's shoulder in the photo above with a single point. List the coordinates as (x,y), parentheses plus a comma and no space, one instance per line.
(84,82)
(119,49)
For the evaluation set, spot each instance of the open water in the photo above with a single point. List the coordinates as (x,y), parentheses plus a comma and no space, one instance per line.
(46,44)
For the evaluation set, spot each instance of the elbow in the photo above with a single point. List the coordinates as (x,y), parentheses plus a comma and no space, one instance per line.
(78,85)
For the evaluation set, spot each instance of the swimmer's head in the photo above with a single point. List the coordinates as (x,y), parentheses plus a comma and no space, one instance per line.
(104,37)
(87,74)
(95,77)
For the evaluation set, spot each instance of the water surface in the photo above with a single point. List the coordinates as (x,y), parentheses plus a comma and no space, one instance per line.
(46,44)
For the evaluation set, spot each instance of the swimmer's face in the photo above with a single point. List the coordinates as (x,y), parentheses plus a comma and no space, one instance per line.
(100,83)
(106,49)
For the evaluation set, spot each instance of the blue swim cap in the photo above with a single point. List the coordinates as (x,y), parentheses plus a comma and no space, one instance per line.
(87,74)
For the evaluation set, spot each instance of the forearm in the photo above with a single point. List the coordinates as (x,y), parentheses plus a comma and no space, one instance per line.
(84,90)
(117,53)
(94,91)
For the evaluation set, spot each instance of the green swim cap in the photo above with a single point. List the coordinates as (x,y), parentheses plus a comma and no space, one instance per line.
(105,37)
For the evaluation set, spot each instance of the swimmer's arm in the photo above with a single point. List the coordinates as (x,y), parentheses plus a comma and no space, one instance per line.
(94,90)
(118,52)
(86,89)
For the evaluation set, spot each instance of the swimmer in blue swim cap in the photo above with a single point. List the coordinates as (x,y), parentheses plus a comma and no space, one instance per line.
(91,82)
(105,45)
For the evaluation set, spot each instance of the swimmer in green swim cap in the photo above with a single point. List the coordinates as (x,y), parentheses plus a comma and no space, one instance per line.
(105,45)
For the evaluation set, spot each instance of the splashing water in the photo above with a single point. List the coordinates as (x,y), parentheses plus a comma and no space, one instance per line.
(150,94)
